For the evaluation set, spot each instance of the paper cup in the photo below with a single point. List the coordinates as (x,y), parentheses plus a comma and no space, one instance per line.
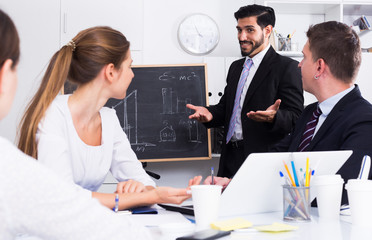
(359,193)
(328,190)
(206,201)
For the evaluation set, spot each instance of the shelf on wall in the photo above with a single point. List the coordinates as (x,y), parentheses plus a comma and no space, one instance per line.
(357,9)
(287,7)
(291,53)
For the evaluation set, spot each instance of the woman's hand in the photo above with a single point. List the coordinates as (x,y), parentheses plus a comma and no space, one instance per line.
(171,195)
(195,181)
(130,186)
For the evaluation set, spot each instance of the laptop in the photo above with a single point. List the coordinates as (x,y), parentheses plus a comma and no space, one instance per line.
(257,185)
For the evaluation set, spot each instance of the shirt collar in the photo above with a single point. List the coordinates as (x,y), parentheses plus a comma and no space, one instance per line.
(257,59)
(327,105)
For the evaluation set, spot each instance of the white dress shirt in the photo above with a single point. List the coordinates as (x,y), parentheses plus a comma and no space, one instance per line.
(327,105)
(61,149)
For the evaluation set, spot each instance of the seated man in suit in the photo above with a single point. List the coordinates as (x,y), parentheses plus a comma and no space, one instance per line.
(342,118)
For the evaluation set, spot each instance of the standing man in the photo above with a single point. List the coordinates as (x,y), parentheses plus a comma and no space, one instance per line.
(261,80)
(342,118)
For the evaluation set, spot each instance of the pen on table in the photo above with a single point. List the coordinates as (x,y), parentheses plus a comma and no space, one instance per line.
(116,207)
(191,220)
(212,173)
(289,174)
(295,174)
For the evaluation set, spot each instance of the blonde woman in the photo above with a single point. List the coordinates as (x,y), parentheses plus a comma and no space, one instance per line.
(79,138)
(33,200)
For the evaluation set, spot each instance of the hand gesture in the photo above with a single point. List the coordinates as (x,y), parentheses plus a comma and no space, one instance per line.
(201,113)
(130,186)
(265,116)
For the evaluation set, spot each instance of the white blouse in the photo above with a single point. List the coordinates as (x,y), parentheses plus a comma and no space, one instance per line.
(61,149)
(35,201)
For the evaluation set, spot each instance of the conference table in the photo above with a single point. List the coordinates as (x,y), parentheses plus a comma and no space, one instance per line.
(167,225)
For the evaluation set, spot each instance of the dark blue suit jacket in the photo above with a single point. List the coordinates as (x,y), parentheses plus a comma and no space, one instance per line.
(277,77)
(347,127)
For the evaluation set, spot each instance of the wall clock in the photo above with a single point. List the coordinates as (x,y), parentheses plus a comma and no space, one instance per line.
(198,34)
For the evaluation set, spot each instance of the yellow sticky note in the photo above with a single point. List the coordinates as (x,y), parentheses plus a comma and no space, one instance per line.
(231,224)
(276,227)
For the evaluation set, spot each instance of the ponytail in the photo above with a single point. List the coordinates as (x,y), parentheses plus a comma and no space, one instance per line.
(51,84)
(80,61)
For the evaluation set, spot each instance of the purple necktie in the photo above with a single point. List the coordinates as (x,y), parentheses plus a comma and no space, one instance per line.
(309,130)
(243,78)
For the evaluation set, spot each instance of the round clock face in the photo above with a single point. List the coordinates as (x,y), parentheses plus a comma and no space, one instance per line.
(198,34)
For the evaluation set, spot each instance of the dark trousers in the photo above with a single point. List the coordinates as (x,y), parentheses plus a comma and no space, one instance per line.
(232,159)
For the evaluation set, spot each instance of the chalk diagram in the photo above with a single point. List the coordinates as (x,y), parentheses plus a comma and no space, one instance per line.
(167,134)
(173,115)
(131,126)
(175,105)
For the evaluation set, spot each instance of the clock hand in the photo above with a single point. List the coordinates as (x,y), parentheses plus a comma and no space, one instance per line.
(198,31)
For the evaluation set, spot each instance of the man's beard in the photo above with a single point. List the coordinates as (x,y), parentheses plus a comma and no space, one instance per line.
(254,46)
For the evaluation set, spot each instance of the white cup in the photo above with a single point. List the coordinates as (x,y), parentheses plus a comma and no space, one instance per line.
(328,190)
(206,201)
(359,193)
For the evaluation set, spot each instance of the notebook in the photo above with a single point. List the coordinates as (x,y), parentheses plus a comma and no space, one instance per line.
(257,185)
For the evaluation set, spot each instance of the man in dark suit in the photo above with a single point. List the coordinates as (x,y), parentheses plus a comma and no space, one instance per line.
(260,109)
(329,68)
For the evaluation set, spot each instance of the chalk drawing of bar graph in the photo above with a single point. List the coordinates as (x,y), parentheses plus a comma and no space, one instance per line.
(131,124)
(172,104)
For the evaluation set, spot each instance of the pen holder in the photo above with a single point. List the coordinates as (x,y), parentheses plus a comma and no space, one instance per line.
(296,203)
(284,44)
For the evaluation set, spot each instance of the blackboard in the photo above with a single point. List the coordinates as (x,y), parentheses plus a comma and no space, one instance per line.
(154,115)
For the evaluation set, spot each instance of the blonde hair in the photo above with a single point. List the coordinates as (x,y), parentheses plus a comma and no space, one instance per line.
(80,63)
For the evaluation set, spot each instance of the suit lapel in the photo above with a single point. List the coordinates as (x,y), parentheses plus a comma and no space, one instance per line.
(260,76)
(335,114)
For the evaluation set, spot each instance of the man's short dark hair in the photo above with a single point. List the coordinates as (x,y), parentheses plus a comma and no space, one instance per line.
(339,46)
(265,15)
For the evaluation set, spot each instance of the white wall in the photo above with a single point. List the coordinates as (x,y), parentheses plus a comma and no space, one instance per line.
(39,34)
(153,33)
(161,18)
(41,27)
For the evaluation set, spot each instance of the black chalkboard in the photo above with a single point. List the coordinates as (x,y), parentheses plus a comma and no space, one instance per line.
(154,114)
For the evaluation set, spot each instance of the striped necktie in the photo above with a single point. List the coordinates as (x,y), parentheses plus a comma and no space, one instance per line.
(243,78)
(309,130)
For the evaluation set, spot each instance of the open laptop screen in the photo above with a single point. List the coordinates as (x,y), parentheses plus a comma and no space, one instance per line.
(257,186)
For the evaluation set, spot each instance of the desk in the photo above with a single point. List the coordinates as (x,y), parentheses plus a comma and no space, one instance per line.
(316,229)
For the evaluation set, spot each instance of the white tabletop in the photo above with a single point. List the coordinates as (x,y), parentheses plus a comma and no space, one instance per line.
(314,230)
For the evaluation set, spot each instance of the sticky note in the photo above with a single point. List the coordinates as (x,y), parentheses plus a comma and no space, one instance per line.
(231,224)
(276,227)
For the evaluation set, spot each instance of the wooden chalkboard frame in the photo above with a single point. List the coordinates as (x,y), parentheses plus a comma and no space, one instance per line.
(180,77)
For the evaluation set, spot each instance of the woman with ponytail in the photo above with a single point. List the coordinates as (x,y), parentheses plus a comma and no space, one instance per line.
(33,200)
(79,138)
